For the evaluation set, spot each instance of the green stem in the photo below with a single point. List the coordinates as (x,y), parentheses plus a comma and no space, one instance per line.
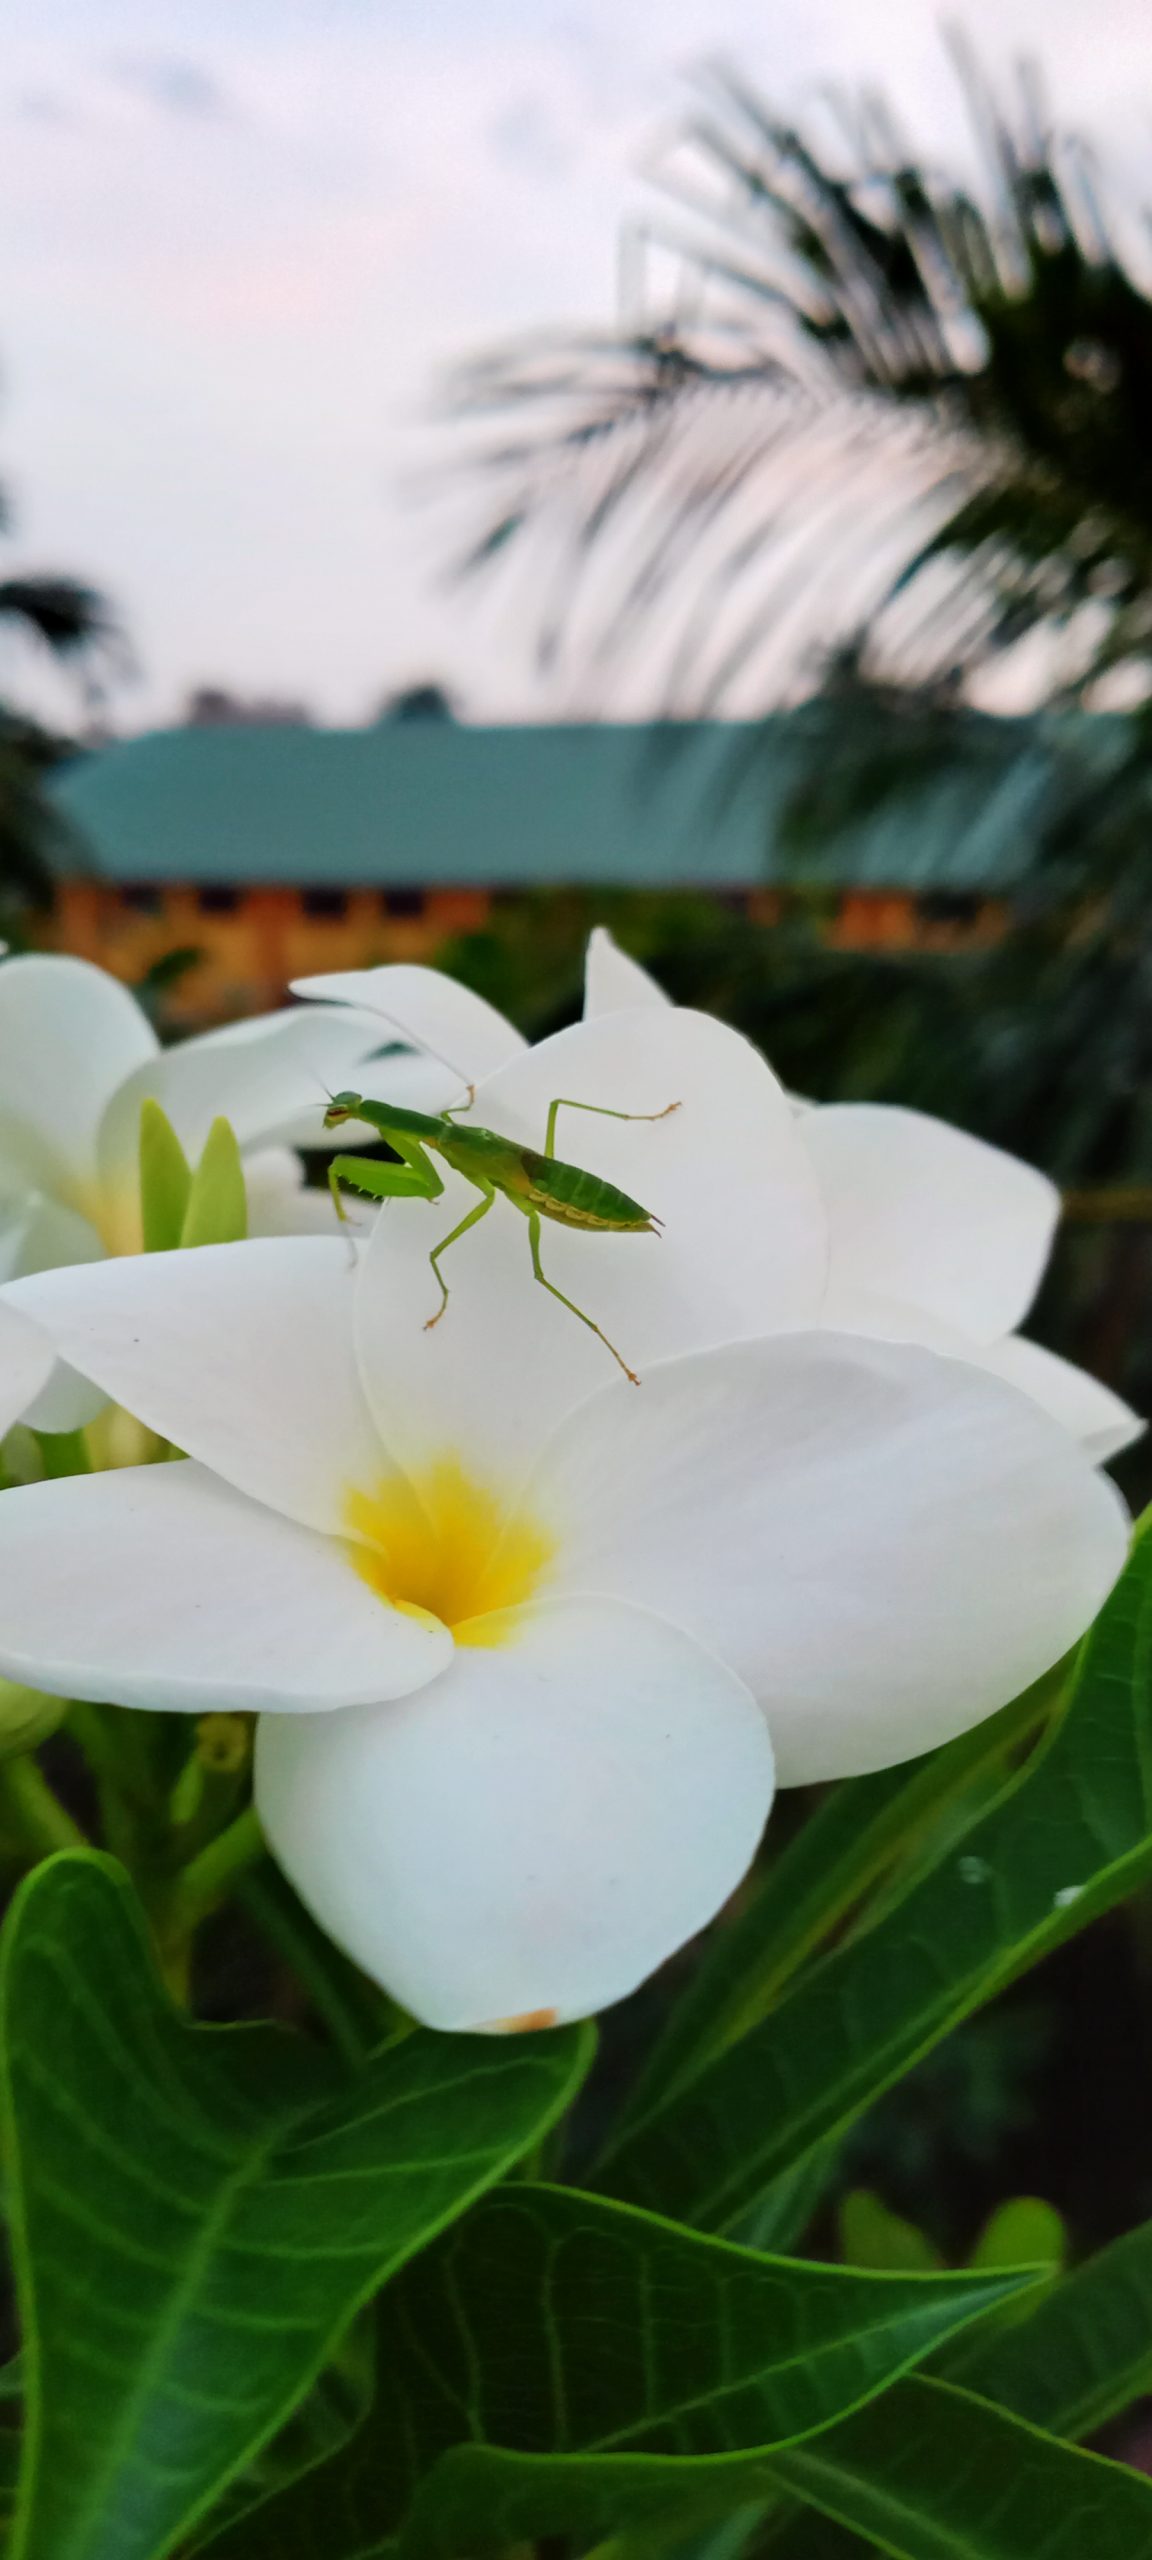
(36,1813)
(359,2017)
(215,1870)
(65,1453)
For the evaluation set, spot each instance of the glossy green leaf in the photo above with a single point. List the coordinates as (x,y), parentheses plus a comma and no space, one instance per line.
(1070,1835)
(165,1180)
(864,1829)
(1023,2232)
(319,2427)
(197,2212)
(783,2210)
(872,2236)
(558,2364)
(930,2472)
(1068,2358)
(1081,2351)
(217,1211)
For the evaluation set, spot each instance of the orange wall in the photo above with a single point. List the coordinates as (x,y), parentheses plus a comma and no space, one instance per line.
(249,955)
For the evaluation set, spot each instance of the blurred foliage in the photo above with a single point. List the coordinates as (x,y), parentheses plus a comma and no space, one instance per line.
(31,836)
(76,624)
(1040,1042)
(817,302)
(65,615)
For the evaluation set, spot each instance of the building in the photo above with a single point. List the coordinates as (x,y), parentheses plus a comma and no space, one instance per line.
(274,851)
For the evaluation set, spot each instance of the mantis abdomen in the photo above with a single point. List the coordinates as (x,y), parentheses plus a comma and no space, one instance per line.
(578,1199)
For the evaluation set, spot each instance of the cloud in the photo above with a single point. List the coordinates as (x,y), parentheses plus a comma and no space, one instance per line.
(177,86)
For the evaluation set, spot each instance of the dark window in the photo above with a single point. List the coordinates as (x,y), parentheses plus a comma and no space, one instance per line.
(950,906)
(325,902)
(218,901)
(143,897)
(404,902)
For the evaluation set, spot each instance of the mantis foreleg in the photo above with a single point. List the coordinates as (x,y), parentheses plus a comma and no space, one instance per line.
(565,1103)
(473,1218)
(550,1285)
(414,1178)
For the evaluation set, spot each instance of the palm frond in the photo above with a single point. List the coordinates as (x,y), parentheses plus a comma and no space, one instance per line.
(73,620)
(855,394)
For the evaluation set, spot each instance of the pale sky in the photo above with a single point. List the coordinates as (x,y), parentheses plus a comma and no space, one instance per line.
(239,239)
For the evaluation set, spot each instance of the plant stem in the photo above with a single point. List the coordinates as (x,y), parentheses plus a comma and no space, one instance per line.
(359,2016)
(36,1812)
(65,1453)
(214,1871)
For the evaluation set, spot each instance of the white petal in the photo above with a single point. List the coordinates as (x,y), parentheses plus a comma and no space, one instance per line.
(26,1364)
(742,1248)
(241,1354)
(280,1202)
(433,1011)
(159,1587)
(1097,1417)
(67,1402)
(69,1034)
(44,1234)
(612,982)
(885,1544)
(537,1831)
(270,1078)
(921,1212)
(411,1078)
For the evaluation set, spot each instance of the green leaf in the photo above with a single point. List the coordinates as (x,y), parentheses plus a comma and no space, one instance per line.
(1024,2232)
(217,1211)
(783,2210)
(198,2212)
(559,2364)
(1068,2359)
(165,1180)
(872,2236)
(1082,2351)
(1070,1835)
(932,2473)
(320,2426)
(864,1828)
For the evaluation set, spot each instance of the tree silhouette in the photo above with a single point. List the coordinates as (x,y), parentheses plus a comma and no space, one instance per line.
(871,398)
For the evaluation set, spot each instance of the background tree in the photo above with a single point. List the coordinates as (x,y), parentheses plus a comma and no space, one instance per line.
(71,619)
(858,393)
(77,625)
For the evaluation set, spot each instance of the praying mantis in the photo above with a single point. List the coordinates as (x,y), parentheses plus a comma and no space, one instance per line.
(539,1185)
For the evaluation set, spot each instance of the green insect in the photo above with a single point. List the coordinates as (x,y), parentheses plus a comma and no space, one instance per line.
(540,1186)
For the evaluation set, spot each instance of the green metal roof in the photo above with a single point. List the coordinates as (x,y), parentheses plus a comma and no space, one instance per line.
(672,805)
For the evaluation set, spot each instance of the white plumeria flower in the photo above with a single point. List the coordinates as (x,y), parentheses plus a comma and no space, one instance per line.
(78,1057)
(523,1637)
(26,1364)
(934,1236)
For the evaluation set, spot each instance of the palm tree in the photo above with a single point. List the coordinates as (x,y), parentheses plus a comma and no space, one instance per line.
(66,616)
(872,399)
(76,623)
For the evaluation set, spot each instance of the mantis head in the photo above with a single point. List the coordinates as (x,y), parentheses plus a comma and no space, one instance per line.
(343,1106)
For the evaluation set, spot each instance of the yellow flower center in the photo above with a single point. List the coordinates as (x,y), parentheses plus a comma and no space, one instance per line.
(442,1547)
(113,1208)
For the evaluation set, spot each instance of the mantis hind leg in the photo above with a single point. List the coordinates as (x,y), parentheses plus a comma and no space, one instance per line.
(565,1103)
(473,1218)
(570,1303)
